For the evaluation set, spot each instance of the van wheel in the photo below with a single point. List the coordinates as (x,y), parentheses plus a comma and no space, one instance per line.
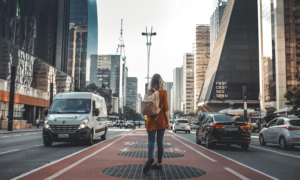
(47,143)
(103,137)
(91,138)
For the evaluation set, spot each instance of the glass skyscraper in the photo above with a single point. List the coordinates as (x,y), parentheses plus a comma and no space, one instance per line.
(38,27)
(83,40)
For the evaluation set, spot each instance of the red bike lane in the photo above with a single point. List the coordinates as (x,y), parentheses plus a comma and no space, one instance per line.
(123,156)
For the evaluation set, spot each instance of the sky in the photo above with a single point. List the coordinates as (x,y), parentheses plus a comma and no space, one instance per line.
(174,21)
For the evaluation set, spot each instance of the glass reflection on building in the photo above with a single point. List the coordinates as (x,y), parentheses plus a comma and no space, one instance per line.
(83,39)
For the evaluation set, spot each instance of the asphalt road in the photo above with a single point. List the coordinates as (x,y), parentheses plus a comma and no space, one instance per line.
(270,159)
(23,152)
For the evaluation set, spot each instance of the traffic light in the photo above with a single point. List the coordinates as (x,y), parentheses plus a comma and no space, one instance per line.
(245,96)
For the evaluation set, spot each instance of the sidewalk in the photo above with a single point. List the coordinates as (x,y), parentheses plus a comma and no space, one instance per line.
(123,157)
(33,129)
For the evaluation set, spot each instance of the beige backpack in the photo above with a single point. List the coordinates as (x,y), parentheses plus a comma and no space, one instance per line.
(150,103)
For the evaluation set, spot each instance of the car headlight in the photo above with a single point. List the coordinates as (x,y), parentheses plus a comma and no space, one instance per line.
(84,123)
(47,126)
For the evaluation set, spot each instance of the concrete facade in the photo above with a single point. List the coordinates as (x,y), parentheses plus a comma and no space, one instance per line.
(188,83)
(177,88)
(235,60)
(201,52)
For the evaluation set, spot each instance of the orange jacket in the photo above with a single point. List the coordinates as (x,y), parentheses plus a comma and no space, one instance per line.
(161,122)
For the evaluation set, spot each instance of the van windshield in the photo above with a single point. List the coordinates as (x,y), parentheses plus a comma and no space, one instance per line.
(74,106)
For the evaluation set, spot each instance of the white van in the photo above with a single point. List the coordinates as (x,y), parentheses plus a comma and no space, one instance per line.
(77,116)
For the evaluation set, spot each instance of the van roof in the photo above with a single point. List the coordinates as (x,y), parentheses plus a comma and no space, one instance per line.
(77,95)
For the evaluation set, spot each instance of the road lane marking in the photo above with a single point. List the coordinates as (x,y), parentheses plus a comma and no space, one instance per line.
(5,136)
(17,135)
(275,151)
(26,134)
(209,158)
(39,145)
(10,151)
(56,161)
(237,174)
(231,159)
(81,160)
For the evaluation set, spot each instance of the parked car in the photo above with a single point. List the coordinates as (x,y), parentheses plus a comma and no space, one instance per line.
(129,123)
(181,125)
(79,116)
(142,122)
(110,124)
(223,129)
(194,125)
(171,123)
(282,131)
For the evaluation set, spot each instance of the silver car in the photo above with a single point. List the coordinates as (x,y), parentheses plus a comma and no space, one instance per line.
(282,131)
(181,125)
(194,125)
(110,124)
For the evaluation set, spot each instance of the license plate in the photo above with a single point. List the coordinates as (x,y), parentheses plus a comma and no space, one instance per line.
(63,135)
(231,129)
(182,127)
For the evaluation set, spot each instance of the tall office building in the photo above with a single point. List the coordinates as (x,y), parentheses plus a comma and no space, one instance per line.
(279,27)
(105,71)
(131,92)
(169,86)
(38,27)
(215,21)
(201,52)
(83,40)
(29,33)
(234,61)
(177,88)
(139,104)
(188,83)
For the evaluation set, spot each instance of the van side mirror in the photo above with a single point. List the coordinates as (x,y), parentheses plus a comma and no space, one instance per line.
(46,112)
(96,112)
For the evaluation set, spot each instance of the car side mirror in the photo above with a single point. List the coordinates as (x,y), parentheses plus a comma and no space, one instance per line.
(46,112)
(96,112)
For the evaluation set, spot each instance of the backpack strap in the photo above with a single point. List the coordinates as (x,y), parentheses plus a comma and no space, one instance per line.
(159,112)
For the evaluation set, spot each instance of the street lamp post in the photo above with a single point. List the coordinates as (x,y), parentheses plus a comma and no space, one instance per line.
(148,36)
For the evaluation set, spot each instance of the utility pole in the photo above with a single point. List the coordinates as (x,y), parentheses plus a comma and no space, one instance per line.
(121,46)
(11,98)
(245,102)
(148,36)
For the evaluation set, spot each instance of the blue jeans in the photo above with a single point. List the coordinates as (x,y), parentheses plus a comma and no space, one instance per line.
(159,141)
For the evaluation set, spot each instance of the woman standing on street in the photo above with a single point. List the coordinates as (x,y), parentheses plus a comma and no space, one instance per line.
(157,126)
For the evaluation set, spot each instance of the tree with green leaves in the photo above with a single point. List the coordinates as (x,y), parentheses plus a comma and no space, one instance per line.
(293,97)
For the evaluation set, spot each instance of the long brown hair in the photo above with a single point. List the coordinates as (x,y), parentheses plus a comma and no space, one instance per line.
(157,82)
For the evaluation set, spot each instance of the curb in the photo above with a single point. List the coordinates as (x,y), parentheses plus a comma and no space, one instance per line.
(9,132)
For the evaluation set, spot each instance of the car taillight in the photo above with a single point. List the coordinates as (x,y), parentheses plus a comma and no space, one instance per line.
(177,124)
(188,124)
(290,128)
(217,126)
(245,127)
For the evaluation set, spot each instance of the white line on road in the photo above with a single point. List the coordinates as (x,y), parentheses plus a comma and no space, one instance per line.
(237,174)
(275,151)
(231,159)
(209,158)
(39,145)
(26,134)
(17,135)
(10,151)
(80,161)
(34,170)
